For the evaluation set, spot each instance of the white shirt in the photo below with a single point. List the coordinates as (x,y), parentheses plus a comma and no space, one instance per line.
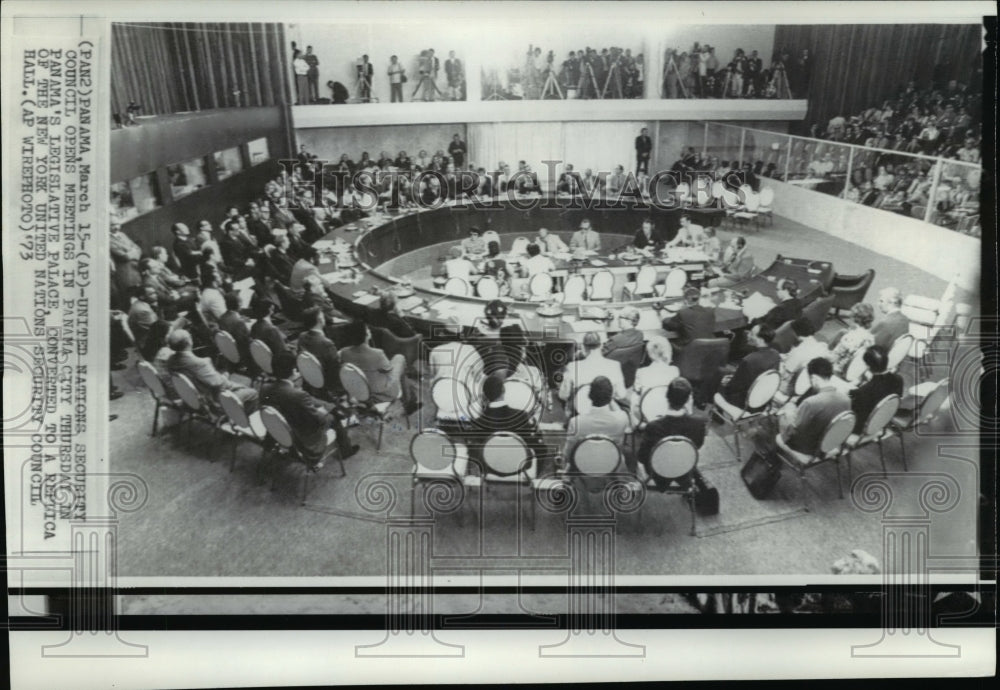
(552,244)
(692,234)
(584,371)
(800,355)
(538,264)
(458,268)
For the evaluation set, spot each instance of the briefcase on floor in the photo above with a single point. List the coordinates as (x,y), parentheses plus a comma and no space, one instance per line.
(706,500)
(760,474)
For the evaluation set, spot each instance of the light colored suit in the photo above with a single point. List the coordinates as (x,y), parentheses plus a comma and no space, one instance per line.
(585,239)
(599,420)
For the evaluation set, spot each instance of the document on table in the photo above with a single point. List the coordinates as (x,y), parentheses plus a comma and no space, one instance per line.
(365,299)
(757,305)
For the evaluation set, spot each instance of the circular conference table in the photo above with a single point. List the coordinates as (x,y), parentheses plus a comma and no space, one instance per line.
(426,234)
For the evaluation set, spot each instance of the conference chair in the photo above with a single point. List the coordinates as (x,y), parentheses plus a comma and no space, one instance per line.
(519,246)
(759,397)
(453,401)
(161,398)
(438,461)
(652,406)
(643,285)
(875,429)
(784,338)
(491,236)
(699,363)
(909,420)
(239,425)
(287,449)
(487,287)
(799,388)
(312,375)
(229,351)
(540,287)
(262,357)
(856,368)
(521,394)
(731,202)
(630,358)
(355,383)
(601,285)
(673,285)
(507,462)
(831,447)
(817,311)
(848,290)
(672,459)
(393,345)
(196,406)
(456,286)
(900,347)
(574,289)
(749,210)
(594,463)
(766,208)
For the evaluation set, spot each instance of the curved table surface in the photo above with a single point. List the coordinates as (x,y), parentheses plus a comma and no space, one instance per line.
(385,238)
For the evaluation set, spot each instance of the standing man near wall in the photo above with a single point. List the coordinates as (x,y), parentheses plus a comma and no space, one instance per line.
(312,75)
(301,69)
(455,73)
(643,149)
(396,76)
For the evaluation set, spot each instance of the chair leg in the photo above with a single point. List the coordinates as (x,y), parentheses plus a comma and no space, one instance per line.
(805,491)
(840,486)
(156,418)
(881,457)
(305,485)
(378,445)
(902,448)
(736,437)
(413,499)
(850,471)
(690,500)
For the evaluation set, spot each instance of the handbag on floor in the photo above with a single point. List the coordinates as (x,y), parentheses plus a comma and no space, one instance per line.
(761,473)
(706,498)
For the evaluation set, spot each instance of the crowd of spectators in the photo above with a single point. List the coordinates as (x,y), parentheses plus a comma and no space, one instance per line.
(425,79)
(699,73)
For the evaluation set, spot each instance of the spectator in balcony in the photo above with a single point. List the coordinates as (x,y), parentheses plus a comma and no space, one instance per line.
(643,150)
(397,73)
(366,74)
(455,73)
(313,74)
(969,152)
(822,167)
(301,69)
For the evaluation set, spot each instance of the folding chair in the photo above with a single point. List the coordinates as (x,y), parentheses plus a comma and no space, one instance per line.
(196,406)
(436,459)
(672,459)
(759,396)
(354,381)
(875,429)
(507,461)
(286,447)
(262,356)
(831,447)
(161,399)
(239,425)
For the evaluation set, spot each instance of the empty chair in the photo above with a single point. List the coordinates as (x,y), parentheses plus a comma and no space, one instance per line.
(848,290)
(436,458)
(875,429)
(161,398)
(644,283)
(540,287)
(831,447)
(908,420)
(817,310)
(749,211)
(487,287)
(766,201)
(574,289)
(674,284)
(507,461)
(286,447)
(457,286)
(759,396)
(601,285)
(240,425)
(355,382)
(672,458)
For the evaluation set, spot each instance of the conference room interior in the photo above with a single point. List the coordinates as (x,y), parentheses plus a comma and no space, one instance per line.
(224,500)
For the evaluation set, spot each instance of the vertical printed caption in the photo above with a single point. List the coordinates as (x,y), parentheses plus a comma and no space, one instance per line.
(62,514)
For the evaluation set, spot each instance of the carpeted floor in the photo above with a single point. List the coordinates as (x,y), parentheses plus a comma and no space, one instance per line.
(200,519)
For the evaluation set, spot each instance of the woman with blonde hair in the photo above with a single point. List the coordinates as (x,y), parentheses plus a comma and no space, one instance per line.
(857,337)
(659,372)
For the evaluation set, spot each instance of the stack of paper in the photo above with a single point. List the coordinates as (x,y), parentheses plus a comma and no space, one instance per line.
(756,305)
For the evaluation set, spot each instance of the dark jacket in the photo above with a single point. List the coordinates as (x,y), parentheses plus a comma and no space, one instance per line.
(747,371)
(325,350)
(233,324)
(688,426)
(691,323)
(270,335)
(789,310)
(307,418)
(641,241)
(865,397)
(392,322)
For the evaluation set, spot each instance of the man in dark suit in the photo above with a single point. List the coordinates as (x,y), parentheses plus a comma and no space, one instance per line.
(894,323)
(308,417)
(788,308)
(803,427)
(648,235)
(185,252)
(881,384)
(388,317)
(693,321)
(315,341)
(237,254)
(764,357)
(643,149)
(280,261)
(627,338)
(203,374)
(232,323)
(265,331)
(386,377)
(679,421)
(498,416)
(258,228)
